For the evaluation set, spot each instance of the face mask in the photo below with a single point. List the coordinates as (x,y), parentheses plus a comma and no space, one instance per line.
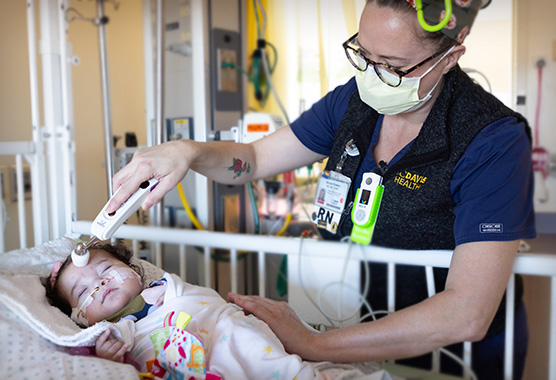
(389,100)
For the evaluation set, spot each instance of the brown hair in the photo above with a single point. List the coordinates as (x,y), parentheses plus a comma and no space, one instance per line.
(118,251)
(439,39)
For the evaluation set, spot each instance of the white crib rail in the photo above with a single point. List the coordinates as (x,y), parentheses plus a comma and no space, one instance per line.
(18,149)
(527,264)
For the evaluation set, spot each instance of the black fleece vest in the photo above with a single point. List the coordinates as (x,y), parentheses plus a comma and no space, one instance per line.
(417,207)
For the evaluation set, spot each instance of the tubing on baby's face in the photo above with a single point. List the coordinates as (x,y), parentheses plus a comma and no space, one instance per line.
(79,313)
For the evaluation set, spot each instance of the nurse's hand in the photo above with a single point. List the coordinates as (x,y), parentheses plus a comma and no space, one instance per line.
(168,163)
(282,320)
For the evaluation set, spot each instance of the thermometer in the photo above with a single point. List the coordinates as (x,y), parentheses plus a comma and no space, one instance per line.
(106,224)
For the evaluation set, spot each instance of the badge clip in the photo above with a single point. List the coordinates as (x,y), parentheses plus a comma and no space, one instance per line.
(350,150)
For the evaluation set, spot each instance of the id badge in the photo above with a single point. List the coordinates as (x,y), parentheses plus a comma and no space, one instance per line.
(330,200)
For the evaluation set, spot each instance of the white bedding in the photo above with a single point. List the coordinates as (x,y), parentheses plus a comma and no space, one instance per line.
(30,327)
(27,333)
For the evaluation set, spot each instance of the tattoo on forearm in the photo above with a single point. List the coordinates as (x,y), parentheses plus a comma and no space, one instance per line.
(239,167)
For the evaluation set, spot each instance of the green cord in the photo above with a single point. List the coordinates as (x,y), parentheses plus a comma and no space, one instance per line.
(254,207)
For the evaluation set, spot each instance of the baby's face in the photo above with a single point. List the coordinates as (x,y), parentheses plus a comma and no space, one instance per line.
(99,289)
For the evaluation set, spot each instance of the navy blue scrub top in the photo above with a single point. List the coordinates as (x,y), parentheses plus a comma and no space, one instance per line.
(491,183)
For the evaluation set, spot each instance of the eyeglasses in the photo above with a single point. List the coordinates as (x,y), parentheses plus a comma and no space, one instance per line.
(388,74)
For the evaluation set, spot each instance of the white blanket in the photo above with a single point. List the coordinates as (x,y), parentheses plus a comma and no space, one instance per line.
(34,334)
(237,346)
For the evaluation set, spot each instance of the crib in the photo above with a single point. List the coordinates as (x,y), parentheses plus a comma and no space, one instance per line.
(534,264)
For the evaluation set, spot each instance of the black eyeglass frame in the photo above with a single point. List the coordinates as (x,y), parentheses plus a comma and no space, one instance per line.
(370,62)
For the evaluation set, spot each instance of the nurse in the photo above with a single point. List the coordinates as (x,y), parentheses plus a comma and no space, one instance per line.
(457,175)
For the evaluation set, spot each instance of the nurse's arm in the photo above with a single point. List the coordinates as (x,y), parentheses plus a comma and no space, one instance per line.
(477,279)
(277,153)
(220,161)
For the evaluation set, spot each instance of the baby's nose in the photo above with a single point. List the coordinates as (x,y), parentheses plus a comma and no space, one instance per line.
(105,281)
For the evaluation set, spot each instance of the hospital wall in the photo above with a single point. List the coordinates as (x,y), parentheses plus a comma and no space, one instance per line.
(126,71)
(536,39)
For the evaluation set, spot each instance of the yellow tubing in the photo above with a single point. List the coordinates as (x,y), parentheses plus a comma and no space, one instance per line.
(188,209)
(286,225)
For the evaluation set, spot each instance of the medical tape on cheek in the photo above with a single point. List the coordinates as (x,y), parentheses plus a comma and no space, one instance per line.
(120,274)
(79,313)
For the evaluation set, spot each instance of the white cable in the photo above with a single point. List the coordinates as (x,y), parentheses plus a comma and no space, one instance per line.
(343,278)
(271,84)
(303,286)
(458,360)
(274,226)
(263,13)
(363,297)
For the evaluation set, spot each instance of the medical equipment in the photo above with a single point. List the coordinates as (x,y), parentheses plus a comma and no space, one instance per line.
(105,224)
(541,157)
(365,208)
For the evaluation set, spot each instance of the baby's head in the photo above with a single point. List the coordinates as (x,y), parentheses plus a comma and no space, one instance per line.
(94,292)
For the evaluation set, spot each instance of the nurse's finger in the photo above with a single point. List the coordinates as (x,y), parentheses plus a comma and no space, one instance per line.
(165,184)
(129,184)
(264,308)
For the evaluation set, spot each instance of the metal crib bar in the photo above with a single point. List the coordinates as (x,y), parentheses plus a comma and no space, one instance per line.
(431,290)
(21,201)
(207,266)
(2,220)
(135,248)
(158,254)
(552,331)
(262,273)
(467,360)
(233,269)
(509,342)
(391,287)
(183,262)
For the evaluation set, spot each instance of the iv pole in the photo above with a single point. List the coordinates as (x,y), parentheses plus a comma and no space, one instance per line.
(102,20)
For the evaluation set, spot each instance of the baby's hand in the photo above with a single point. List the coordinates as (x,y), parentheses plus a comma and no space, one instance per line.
(111,349)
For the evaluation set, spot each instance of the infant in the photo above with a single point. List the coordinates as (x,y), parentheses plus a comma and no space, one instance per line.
(181,330)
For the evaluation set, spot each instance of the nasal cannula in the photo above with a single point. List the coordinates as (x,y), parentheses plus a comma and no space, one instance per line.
(105,225)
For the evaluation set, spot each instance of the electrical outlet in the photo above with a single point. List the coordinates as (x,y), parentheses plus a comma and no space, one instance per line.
(180,128)
(227,72)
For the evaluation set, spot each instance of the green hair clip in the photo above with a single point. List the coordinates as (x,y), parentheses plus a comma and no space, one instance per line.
(439,26)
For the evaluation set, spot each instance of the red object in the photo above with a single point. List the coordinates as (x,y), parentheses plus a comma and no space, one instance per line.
(541,160)
(541,157)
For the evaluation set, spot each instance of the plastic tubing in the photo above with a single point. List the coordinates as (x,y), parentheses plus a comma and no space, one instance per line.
(254,207)
(188,209)
(286,225)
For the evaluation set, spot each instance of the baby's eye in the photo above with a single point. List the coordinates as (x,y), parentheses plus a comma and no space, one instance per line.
(108,267)
(82,292)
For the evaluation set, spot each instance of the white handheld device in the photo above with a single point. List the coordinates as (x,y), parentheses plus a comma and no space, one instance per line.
(105,224)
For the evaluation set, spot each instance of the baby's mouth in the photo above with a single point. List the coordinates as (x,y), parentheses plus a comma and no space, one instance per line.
(107,293)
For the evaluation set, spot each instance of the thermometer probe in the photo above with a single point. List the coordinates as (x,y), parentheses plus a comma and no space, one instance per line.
(106,224)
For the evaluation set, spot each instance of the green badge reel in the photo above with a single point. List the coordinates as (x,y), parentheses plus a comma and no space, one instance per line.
(365,208)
